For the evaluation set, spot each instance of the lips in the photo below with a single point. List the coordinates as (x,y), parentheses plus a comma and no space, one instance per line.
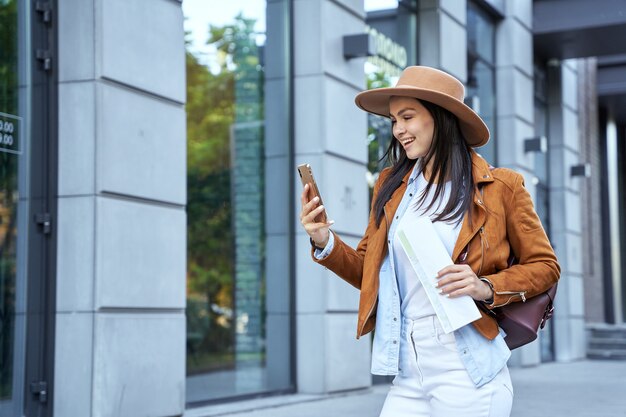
(406,141)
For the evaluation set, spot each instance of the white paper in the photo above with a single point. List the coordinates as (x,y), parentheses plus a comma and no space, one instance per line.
(428,255)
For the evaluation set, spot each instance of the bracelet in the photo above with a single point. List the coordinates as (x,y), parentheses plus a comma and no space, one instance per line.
(314,245)
(489,300)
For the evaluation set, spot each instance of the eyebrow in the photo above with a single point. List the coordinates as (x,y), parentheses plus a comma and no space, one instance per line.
(401,112)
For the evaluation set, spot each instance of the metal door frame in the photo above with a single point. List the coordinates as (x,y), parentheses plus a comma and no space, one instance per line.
(41,294)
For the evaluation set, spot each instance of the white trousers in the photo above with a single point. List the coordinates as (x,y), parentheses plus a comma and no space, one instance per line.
(433,381)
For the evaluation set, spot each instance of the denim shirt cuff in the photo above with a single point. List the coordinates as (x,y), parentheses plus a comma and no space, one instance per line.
(322,253)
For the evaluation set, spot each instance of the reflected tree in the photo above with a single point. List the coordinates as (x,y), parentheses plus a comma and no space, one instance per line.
(8,196)
(221,103)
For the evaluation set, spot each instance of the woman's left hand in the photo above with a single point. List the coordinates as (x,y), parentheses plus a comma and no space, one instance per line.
(459,279)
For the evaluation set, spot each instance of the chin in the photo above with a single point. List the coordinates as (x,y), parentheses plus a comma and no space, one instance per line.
(413,155)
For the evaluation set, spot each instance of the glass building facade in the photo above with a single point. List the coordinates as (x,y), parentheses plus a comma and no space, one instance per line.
(231,63)
(151,258)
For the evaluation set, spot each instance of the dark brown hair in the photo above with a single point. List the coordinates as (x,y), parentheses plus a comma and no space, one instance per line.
(452,160)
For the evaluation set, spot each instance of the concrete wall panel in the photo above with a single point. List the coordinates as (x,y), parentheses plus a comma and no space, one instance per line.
(340,136)
(141,149)
(75,259)
(76,40)
(510,143)
(345,196)
(139,365)
(312,279)
(140,255)
(310,116)
(453,47)
(348,366)
(341,295)
(308,55)
(310,359)
(514,94)
(141,44)
(73,365)
(514,46)
(456,9)
(77,144)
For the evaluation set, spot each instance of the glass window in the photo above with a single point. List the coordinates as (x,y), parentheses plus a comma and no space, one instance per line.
(238,339)
(394,27)
(14,101)
(481,90)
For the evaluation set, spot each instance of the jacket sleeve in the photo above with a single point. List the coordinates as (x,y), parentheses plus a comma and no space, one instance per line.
(537,268)
(345,261)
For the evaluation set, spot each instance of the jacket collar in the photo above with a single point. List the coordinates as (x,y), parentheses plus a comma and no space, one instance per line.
(482,174)
(481,170)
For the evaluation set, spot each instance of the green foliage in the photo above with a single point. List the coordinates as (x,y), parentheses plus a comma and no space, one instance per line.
(378,129)
(8,197)
(212,107)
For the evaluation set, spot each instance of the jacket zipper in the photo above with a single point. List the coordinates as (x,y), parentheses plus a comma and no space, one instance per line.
(482,250)
(521,294)
(485,243)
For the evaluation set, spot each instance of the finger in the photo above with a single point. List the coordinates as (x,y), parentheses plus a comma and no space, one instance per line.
(315,227)
(452,277)
(458,293)
(455,286)
(304,197)
(308,207)
(311,215)
(453,268)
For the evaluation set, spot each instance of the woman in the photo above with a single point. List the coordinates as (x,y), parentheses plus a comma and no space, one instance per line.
(481,214)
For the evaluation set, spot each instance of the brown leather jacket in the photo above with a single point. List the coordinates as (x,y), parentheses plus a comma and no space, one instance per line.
(503,219)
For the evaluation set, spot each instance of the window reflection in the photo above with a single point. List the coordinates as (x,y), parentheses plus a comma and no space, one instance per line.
(481,92)
(8,194)
(227,346)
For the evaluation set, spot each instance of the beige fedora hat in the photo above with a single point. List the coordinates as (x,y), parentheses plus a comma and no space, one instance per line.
(435,86)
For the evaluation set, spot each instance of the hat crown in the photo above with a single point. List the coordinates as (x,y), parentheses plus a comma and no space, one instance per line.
(431,79)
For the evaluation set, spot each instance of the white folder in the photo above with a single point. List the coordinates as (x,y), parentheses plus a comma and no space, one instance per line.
(428,256)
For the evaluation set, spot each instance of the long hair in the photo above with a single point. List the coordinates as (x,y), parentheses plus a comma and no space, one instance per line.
(452,160)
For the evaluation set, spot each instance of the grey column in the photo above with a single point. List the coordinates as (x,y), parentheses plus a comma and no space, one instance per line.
(591,198)
(331,135)
(515,111)
(565,209)
(120,330)
(442,36)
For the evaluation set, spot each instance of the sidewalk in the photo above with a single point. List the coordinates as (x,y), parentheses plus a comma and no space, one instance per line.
(579,389)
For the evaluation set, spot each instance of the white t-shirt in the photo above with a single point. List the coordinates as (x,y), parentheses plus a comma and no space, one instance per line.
(414,302)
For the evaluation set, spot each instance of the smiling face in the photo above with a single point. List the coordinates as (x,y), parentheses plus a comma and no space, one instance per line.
(413,126)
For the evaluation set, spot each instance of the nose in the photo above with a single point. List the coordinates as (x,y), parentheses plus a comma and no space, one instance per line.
(398,129)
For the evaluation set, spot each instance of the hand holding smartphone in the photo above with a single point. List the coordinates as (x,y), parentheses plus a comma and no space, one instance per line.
(306,176)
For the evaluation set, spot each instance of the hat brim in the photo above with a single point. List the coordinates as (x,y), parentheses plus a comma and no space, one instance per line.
(474,130)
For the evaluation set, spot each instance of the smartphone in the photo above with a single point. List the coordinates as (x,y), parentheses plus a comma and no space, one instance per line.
(306,176)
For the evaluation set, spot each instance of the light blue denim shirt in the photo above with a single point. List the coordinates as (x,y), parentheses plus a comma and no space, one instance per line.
(482,358)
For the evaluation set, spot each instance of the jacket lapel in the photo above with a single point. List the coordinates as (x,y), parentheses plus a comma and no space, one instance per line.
(477,212)
(392,205)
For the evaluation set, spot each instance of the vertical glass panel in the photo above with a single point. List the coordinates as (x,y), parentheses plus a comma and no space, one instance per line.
(394,27)
(232,329)
(480,92)
(13,203)
(480,32)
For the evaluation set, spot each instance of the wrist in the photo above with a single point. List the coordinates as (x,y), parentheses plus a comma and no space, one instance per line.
(491,292)
(317,245)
